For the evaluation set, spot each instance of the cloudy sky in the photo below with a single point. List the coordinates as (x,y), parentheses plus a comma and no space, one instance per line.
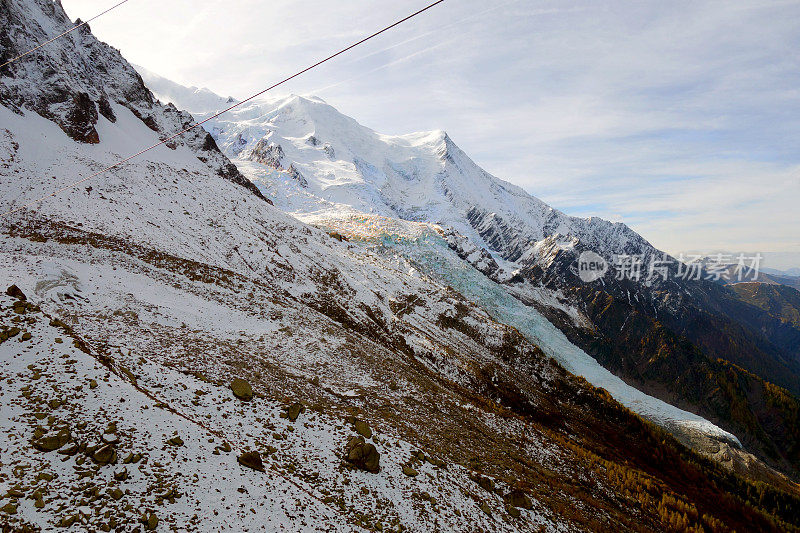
(681,119)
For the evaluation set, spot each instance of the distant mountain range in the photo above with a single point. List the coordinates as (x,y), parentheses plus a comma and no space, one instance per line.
(789,273)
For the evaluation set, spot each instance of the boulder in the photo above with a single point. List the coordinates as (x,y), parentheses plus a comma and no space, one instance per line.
(105,455)
(121,474)
(67,521)
(517,498)
(251,460)
(362,428)
(438,463)
(409,471)
(175,441)
(38,499)
(70,450)
(294,411)
(53,441)
(362,455)
(242,389)
(16,292)
(484,482)
(150,521)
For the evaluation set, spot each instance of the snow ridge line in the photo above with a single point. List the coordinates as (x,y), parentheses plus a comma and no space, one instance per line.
(318,63)
(60,35)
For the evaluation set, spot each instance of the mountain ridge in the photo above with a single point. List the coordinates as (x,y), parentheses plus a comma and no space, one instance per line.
(314,121)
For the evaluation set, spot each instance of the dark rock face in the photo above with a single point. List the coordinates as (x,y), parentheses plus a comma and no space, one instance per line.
(297,176)
(77,79)
(80,120)
(209,144)
(268,154)
(104,106)
(232,174)
(479,258)
(271,155)
(498,234)
(67,84)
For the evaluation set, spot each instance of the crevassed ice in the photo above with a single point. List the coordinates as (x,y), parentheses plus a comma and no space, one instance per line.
(429,252)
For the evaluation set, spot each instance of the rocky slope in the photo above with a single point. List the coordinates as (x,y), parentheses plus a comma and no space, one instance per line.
(76,80)
(780,301)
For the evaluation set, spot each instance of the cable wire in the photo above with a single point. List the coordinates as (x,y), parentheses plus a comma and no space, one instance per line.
(60,35)
(256,95)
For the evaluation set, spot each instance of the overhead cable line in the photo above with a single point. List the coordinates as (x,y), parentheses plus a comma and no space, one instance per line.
(60,35)
(256,95)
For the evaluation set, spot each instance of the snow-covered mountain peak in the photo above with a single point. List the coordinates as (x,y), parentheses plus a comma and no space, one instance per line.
(318,163)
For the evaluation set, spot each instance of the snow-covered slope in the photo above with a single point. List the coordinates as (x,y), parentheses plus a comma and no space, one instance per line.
(169,269)
(178,354)
(80,84)
(619,333)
